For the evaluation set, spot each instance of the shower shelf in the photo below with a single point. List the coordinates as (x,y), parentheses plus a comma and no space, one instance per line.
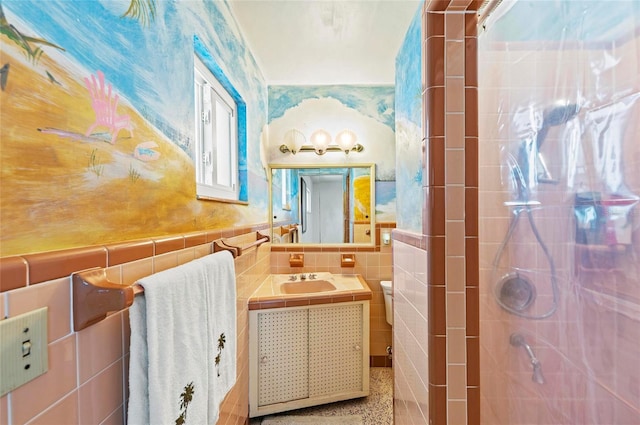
(599,258)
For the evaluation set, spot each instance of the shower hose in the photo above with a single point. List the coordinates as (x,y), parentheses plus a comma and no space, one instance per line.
(552,268)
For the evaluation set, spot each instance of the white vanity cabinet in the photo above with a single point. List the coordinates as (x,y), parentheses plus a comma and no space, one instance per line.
(305,356)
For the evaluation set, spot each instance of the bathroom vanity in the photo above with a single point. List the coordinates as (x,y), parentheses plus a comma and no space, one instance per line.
(308,341)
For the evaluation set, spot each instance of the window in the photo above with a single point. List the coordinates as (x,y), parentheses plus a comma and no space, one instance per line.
(216,137)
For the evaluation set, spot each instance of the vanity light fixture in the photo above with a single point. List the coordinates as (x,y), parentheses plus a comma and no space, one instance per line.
(321,143)
(294,141)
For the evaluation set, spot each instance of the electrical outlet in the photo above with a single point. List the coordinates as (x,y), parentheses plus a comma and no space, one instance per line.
(23,346)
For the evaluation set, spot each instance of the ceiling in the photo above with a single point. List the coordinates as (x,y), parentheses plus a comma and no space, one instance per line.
(325,42)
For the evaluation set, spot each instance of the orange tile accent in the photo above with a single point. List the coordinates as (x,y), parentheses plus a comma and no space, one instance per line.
(471,211)
(437,260)
(435,24)
(437,405)
(13,273)
(437,310)
(473,361)
(437,360)
(436,207)
(471,62)
(471,111)
(472,255)
(296,302)
(473,405)
(436,161)
(434,111)
(473,311)
(125,252)
(471,162)
(168,244)
(435,62)
(437,5)
(52,265)
(195,239)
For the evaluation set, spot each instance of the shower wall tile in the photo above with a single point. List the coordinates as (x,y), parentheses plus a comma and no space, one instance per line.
(600,328)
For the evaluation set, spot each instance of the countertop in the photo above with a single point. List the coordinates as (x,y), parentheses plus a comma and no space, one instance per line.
(348,288)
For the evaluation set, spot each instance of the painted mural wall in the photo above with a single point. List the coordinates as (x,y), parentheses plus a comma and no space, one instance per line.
(408,109)
(368,111)
(96,142)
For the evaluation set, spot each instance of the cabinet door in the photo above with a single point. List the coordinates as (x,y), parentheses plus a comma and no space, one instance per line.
(336,349)
(283,356)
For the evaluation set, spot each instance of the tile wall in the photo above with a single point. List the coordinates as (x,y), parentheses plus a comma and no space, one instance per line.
(88,370)
(588,347)
(373,263)
(440,279)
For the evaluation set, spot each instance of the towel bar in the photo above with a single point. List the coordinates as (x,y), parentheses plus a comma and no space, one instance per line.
(94,295)
(237,250)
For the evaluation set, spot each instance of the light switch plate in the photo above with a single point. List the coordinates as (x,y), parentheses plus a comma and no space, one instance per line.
(23,347)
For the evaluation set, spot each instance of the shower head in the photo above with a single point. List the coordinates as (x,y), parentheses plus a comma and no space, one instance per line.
(554,116)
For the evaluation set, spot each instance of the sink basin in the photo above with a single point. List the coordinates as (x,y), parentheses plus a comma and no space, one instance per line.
(307,287)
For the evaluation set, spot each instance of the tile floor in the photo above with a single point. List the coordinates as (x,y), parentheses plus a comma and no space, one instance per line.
(376,409)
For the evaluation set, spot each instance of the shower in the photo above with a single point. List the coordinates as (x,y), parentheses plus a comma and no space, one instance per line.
(514,292)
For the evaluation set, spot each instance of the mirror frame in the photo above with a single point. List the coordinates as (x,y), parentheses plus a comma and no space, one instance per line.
(372,200)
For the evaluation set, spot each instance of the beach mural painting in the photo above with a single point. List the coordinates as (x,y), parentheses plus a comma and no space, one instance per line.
(409,130)
(97,121)
(366,110)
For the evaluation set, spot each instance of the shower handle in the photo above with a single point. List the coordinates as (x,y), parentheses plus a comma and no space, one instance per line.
(517,340)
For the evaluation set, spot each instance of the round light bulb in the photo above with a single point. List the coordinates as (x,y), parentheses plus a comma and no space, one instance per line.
(320,139)
(346,139)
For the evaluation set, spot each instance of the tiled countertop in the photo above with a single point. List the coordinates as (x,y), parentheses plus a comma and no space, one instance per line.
(348,288)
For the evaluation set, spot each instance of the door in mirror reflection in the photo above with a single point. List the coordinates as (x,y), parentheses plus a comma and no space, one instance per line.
(328,204)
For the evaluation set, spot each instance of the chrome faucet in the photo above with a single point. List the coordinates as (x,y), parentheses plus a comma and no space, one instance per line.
(517,340)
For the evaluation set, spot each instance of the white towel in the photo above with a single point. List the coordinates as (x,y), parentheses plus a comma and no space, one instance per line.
(183,343)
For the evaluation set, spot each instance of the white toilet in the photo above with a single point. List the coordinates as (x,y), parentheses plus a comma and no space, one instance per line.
(387,290)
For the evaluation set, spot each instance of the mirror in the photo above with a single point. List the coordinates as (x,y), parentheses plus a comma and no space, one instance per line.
(322,204)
